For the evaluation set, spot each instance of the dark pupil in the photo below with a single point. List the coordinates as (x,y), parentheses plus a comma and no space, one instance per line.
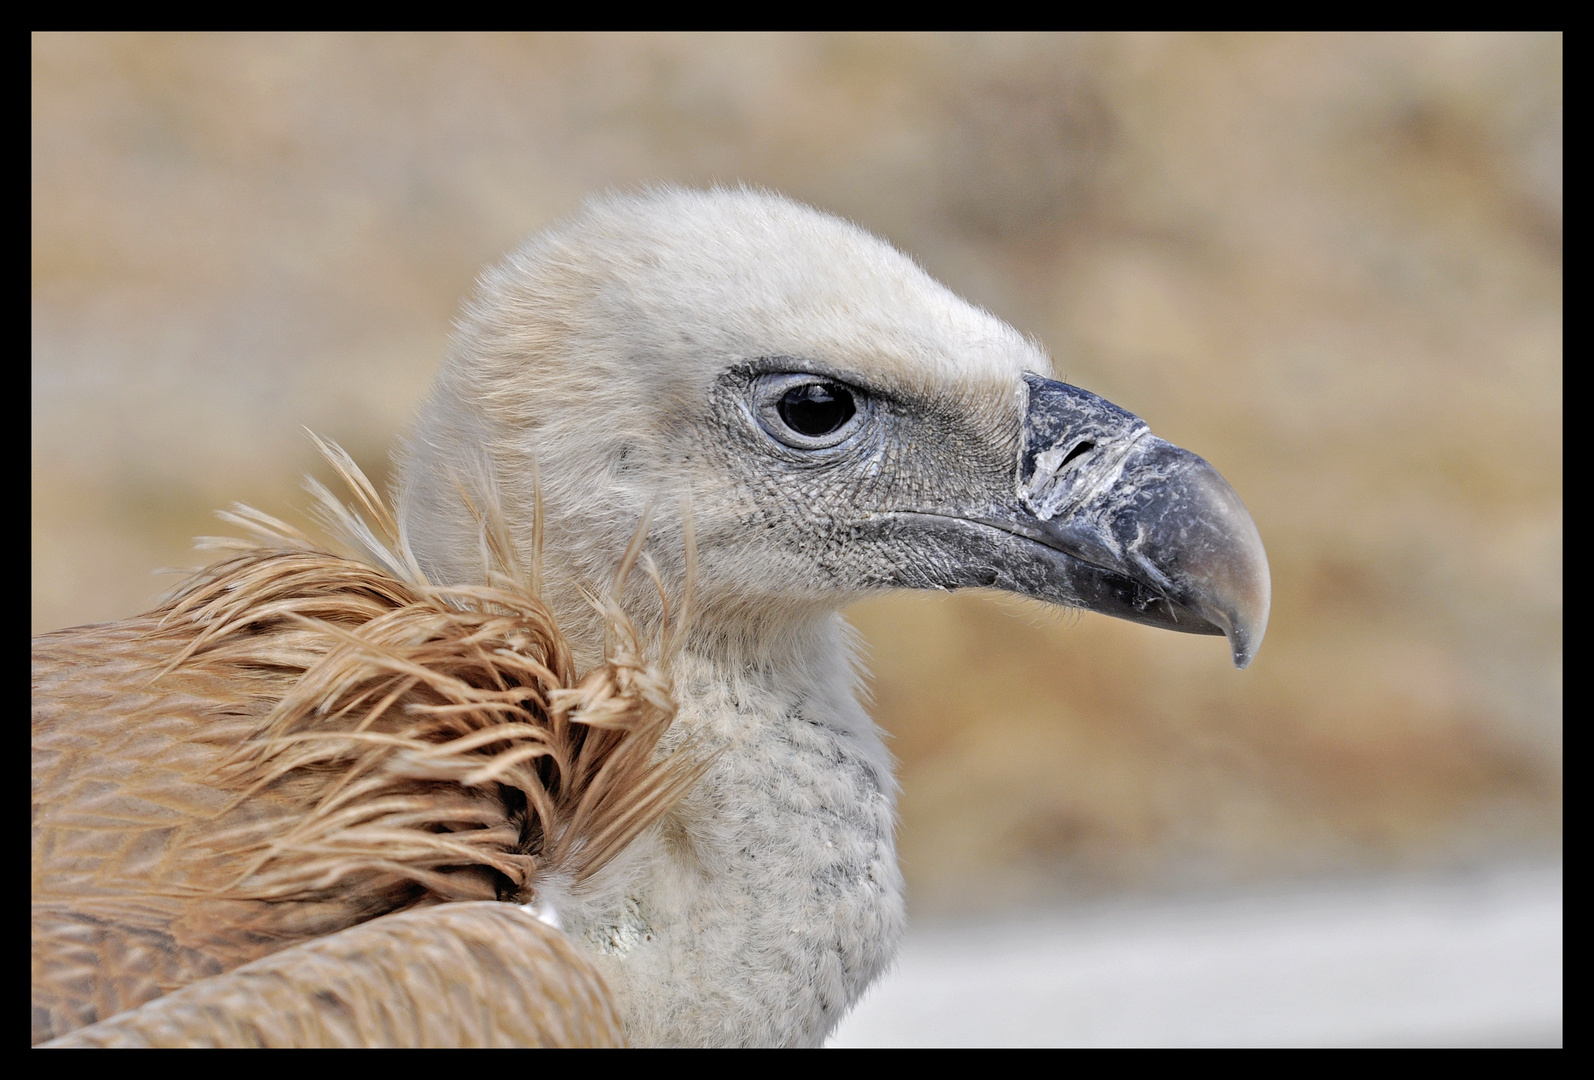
(816,408)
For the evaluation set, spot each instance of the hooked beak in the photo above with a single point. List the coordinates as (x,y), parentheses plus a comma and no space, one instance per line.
(1101,515)
(1162,538)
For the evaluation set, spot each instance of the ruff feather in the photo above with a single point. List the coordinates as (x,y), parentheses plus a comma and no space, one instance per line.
(328,738)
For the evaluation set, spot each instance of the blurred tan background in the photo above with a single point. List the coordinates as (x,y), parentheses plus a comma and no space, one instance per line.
(1329,264)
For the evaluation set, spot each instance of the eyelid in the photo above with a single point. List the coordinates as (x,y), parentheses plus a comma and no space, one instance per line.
(820,371)
(767,391)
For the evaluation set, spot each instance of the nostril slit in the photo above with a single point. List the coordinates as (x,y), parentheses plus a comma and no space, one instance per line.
(1078,451)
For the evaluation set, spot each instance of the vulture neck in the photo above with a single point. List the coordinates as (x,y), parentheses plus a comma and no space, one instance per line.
(760,908)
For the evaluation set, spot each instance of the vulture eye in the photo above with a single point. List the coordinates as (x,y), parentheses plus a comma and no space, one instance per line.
(808,412)
(817,409)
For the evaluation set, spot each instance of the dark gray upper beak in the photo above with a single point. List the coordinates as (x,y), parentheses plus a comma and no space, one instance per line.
(1163,538)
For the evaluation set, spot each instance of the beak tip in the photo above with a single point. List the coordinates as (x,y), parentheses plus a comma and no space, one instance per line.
(1248,625)
(1237,583)
(1243,648)
(1247,618)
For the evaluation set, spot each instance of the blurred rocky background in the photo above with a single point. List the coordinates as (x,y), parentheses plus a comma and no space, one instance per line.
(1332,265)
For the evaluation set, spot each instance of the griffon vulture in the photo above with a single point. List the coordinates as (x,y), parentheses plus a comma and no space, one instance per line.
(489,783)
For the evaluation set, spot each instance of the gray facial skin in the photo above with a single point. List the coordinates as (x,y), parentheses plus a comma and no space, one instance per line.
(1082,507)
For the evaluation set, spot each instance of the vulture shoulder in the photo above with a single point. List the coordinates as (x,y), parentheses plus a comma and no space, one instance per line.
(249,804)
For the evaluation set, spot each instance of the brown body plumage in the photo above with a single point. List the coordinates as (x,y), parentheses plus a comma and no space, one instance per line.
(473,974)
(298,743)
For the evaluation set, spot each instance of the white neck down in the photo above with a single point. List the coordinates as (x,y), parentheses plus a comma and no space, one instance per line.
(761,907)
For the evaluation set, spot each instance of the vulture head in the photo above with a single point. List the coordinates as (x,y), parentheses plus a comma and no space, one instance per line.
(832,420)
(796,415)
